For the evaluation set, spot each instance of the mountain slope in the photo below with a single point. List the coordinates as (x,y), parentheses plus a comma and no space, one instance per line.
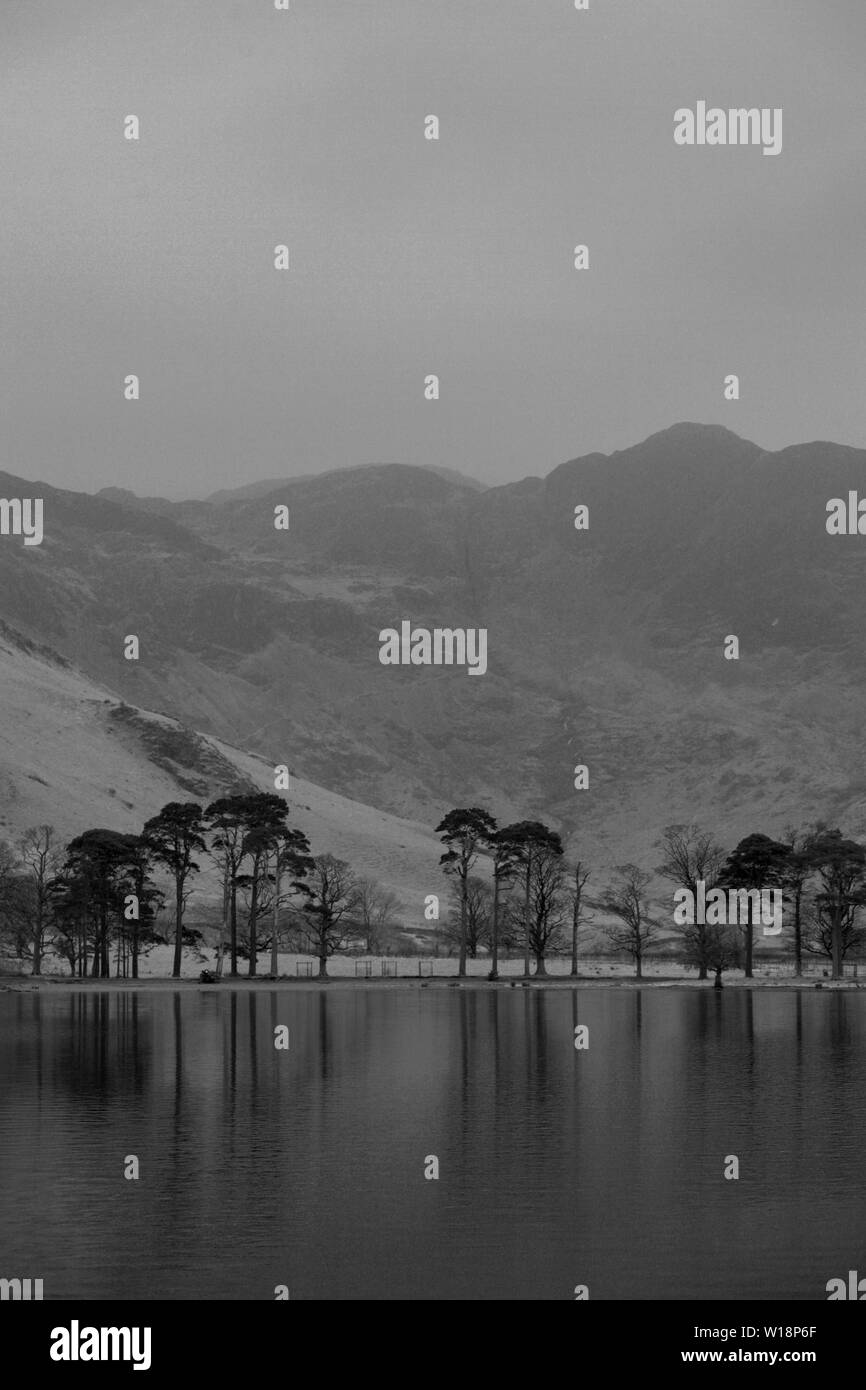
(73,756)
(605,646)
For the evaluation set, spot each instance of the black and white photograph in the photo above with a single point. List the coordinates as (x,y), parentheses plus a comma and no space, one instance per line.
(432,660)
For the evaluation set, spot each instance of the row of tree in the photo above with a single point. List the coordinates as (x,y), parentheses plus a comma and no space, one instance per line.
(532,893)
(98,895)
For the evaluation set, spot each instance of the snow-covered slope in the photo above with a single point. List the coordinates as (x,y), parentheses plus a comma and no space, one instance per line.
(75,757)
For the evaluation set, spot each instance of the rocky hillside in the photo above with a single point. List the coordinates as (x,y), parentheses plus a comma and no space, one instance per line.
(605,645)
(73,756)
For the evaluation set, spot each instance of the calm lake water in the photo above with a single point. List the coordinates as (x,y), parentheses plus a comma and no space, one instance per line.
(557,1167)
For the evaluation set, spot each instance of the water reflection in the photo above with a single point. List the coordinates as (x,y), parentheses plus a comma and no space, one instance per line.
(306,1167)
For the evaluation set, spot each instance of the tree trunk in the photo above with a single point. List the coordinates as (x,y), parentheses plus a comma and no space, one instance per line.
(798,937)
(701,938)
(526,969)
(223,926)
(104,960)
(461,966)
(494,961)
(323,964)
(749,932)
(233,924)
(575,919)
(638,968)
(717,982)
(178,920)
(836,944)
(540,967)
(274,962)
(37,935)
(254,907)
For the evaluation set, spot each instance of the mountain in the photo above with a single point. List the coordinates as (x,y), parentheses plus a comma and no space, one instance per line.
(76,757)
(605,646)
(265,486)
(127,498)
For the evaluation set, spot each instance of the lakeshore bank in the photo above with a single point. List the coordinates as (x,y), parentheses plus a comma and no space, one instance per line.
(47,984)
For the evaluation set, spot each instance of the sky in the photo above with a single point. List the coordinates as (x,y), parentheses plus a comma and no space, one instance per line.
(411,257)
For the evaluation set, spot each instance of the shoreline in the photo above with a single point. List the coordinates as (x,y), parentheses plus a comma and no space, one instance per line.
(17,984)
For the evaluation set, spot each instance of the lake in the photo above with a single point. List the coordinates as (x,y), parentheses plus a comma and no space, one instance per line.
(305,1167)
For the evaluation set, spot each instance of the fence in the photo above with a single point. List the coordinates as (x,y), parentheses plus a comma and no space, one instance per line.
(558,967)
(366,969)
(812,969)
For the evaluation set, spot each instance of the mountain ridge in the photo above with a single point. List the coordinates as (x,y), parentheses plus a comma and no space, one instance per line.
(605,645)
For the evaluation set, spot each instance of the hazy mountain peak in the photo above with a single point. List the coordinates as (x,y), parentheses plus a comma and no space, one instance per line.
(690,431)
(265,487)
(118,494)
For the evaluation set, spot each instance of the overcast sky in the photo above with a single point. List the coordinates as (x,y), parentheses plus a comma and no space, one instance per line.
(411,257)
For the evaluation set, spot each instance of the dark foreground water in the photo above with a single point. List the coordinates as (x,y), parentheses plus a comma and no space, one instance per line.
(557,1167)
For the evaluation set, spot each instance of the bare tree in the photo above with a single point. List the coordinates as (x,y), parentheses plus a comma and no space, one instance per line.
(327,915)
(691,855)
(39,851)
(579,913)
(547,904)
(826,931)
(15,901)
(479,916)
(627,900)
(722,949)
(375,911)
(531,840)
